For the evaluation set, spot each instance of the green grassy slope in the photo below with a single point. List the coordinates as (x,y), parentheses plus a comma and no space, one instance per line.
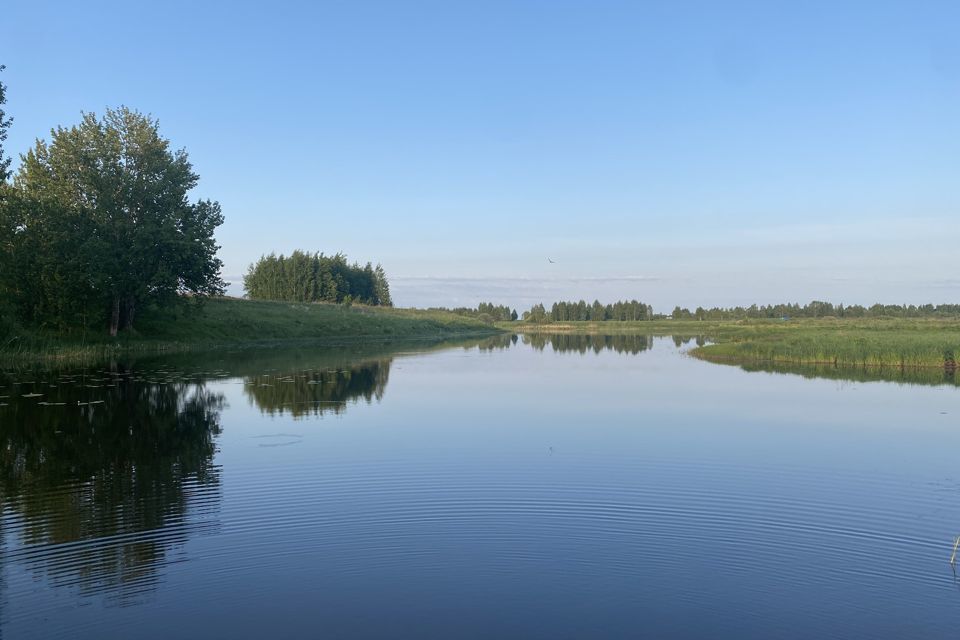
(235,320)
(226,321)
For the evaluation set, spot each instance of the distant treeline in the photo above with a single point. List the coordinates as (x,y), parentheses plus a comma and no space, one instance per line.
(314,277)
(633,310)
(818,309)
(486,311)
(621,311)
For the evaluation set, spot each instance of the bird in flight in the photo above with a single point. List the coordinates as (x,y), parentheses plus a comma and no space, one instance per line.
(551,261)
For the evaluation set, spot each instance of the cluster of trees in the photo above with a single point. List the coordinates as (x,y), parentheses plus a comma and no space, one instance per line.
(486,311)
(620,311)
(818,309)
(314,277)
(97,223)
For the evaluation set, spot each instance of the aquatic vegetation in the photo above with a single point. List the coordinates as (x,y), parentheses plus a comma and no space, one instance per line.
(870,343)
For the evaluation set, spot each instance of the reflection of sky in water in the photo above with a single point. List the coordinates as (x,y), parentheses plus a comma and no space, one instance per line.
(540,493)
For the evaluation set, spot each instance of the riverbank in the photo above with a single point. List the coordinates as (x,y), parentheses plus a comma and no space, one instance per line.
(234,321)
(875,342)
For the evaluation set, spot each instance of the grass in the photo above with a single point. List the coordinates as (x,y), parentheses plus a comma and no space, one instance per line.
(884,343)
(875,342)
(881,343)
(233,321)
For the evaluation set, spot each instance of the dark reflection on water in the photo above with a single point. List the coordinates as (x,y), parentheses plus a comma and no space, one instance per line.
(682,340)
(103,455)
(303,383)
(932,376)
(104,472)
(306,392)
(582,343)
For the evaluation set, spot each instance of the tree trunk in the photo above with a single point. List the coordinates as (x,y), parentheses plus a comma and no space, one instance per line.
(115,316)
(129,307)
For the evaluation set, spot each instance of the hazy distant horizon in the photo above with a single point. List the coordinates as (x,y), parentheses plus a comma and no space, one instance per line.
(662,294)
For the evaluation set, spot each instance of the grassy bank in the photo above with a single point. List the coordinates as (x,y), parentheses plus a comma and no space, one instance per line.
(844,343)
(881,342)
(231,321)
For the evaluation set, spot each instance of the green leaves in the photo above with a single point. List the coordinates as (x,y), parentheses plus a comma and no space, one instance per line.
(5,123)
(105,223)
(305,277)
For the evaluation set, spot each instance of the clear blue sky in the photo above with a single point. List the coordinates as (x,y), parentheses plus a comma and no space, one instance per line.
(677,152)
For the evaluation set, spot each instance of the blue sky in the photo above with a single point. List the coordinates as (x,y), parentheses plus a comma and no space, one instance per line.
(676,152)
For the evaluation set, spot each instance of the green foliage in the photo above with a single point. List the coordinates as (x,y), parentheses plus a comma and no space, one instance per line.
(485,311)
(98,224)
(536,315)
(5,123)
(306,277)
(621,311)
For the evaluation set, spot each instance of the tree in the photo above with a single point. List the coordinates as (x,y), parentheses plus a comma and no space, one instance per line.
(4,125)
(381,288)
(306,277)
(120,194)
(537,314)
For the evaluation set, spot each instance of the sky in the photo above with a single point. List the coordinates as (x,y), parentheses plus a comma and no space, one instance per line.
(680,153)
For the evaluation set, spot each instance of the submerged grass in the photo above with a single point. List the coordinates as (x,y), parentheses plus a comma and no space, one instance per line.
(232,321)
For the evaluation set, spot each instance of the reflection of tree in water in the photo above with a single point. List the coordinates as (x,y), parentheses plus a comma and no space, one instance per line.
(314,383)
(681,340)
(318,391)
(123,482)
(582,343)
(493,343)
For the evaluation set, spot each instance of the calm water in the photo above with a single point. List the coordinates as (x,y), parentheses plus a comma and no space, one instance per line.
(551,488)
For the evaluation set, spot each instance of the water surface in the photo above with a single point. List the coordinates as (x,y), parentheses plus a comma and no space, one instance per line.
(538,487)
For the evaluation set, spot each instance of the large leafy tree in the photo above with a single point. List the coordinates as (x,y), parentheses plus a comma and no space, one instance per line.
(113,197)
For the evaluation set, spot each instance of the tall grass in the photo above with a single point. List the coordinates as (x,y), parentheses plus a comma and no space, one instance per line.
(861,343)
